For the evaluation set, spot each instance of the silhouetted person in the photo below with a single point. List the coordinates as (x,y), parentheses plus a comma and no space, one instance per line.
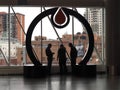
(49,55)
(62,59)
(73,55)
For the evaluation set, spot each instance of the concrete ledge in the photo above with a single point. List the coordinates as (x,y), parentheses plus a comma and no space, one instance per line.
(35,71)
(11,70)
(101,69)
(21,70)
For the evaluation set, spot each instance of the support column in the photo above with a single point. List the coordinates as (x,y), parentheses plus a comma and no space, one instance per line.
(113,36)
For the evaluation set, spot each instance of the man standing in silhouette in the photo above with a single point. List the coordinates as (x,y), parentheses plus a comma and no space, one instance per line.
(73,55)
(62,59)
(49,55)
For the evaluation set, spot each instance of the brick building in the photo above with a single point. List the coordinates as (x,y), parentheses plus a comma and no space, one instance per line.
(79,39)
(15,28)
(17,36)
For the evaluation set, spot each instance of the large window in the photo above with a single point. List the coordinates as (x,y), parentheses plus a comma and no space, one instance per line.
(15,21)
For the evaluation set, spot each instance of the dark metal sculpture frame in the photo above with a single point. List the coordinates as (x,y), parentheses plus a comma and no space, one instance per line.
(51,12)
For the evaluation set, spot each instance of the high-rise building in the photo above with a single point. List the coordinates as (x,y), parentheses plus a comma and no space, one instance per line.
(3,23)
(20,33)
(95,17)
(16,31)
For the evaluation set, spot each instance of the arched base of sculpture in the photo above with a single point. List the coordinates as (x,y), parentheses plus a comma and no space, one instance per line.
(85,71)
(41,71)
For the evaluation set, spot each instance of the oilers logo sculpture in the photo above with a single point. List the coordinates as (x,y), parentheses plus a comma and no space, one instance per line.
(56,15)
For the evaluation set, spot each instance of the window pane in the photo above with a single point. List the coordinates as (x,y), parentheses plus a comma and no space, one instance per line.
(44,33)
(96,19)
(3,36)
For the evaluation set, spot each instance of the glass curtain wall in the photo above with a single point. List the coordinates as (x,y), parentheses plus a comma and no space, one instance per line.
(15,21)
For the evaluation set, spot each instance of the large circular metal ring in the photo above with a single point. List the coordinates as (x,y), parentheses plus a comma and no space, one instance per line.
(48,12)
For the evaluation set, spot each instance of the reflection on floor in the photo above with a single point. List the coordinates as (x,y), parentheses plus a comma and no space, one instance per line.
(81,70)
(57,82)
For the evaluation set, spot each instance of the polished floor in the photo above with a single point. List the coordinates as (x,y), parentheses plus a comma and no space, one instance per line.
(57,82)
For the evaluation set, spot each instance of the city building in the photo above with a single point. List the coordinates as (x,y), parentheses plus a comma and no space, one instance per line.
(95,17)
(4,50)
(80,42)
(14,26)
(13,39)
(3,23)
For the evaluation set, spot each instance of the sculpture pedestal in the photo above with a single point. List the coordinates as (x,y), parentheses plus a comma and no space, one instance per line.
(85,71)
(41,71)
